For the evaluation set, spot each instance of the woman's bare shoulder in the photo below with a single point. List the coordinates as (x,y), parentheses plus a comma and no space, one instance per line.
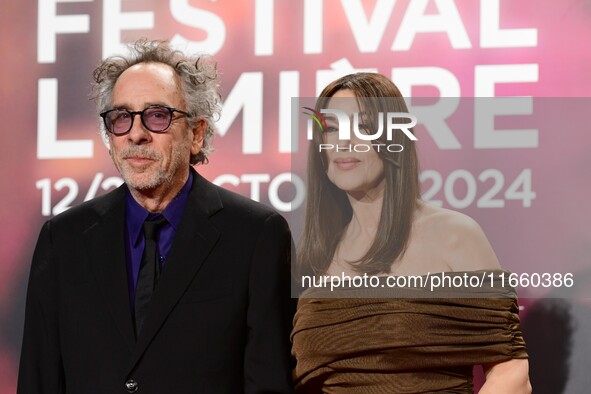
(457,238)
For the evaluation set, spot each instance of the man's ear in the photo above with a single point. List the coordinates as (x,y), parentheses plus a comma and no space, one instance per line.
(198,131)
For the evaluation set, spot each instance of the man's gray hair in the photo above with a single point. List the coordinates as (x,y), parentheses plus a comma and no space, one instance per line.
(199,83)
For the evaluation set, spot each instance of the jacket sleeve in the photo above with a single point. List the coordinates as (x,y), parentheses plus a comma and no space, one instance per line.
(268,363)
(41,370)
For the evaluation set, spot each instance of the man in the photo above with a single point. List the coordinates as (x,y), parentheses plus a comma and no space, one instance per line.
(168,284)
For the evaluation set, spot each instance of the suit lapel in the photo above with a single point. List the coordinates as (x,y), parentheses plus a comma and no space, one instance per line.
(106,250)
(193,241)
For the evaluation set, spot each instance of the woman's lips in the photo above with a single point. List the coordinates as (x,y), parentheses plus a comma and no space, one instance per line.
(346,163)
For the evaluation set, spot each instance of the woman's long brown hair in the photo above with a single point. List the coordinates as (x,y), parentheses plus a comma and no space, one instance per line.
(328,210)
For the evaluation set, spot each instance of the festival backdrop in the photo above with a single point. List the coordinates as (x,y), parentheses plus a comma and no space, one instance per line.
(523,176)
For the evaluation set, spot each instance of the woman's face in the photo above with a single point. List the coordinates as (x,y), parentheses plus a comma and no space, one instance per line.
(360,172)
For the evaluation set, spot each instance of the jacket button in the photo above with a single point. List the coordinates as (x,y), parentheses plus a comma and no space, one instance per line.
(131,386)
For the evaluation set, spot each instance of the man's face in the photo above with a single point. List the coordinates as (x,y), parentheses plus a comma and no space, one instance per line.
(153,163)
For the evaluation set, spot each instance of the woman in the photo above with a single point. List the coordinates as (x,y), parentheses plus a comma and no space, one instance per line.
(364,216)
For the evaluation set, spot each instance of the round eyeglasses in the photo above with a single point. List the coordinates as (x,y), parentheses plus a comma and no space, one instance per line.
(156,118)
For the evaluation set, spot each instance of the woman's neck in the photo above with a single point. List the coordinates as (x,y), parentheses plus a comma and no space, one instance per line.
(367,208)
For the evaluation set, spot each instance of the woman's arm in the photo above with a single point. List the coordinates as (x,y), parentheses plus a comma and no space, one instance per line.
(507,377)
(466,249)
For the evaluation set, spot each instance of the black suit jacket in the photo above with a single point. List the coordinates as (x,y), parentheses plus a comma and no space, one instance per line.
(219,320)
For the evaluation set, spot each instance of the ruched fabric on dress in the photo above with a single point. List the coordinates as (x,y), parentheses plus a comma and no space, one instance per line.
(402,344)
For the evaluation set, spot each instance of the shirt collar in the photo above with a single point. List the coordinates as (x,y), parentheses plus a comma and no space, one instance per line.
(136,214)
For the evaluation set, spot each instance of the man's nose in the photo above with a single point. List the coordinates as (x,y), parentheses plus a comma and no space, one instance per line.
(138,133)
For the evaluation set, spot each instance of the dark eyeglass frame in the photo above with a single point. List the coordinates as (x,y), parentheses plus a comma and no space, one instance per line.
(132,115)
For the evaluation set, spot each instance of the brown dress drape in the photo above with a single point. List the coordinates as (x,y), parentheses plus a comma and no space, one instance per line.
(405,343)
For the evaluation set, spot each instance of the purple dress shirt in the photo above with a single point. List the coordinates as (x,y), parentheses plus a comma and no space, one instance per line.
(134,247)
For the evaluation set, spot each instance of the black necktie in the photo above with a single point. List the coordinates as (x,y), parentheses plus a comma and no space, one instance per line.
(149,271)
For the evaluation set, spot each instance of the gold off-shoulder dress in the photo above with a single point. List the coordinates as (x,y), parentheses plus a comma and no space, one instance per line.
(405,340)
